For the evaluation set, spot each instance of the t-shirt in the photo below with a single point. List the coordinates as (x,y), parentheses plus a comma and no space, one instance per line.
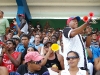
(80,72)
(7,62)
(4,23)
(25,28)
(22,70)
(73,44)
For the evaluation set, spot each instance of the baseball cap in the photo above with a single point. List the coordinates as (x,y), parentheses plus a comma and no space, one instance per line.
(16,37)
(21,15)
(45,44)
(71,18)
(35,56)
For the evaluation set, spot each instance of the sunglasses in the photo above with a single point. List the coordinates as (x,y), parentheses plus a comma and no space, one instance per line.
(72,57)
(36,62)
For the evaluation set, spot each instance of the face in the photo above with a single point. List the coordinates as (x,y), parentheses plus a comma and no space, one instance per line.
(10,45)
(20,17)
(37,38)
(88,29)
(9,35)
(25,41)
(30,49)
(53,39)
(45,39)
(94,36)
(46,48)
(72,60)
(1,14)
(35,65)
(17,41)
(43,34)
(73,23)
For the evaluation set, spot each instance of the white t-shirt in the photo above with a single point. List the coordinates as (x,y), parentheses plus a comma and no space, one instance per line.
(80,72)
(73,44)
(25,28)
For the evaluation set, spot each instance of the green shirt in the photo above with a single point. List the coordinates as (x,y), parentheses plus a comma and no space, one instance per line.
(4,23)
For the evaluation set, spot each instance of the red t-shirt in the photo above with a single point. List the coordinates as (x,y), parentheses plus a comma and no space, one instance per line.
(7,62)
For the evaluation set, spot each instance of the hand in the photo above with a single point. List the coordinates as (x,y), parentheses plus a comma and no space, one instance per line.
(5,48)
(55,69)
(50,51)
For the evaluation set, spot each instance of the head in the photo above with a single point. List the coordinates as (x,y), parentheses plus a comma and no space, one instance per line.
(25,40)
(16,38)
(47,45)
(37,38)
(43,34)
(21,16)
(1,14)
(54,39)
(45,39)
(72,59)
(73,22)
(94,36)
(11,44)
(9,35)
(33,60)
(31,49)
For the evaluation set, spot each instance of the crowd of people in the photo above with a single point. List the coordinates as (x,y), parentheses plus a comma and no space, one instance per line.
(25,49)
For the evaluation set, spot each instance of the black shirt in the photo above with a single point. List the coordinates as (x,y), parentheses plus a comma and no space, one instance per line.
(50,63)
(22,70)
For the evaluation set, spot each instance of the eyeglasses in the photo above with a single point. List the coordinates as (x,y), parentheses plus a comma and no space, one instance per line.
(36,62)
(72,57)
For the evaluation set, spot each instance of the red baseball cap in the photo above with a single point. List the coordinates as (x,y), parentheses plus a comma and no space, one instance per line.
(71,18)
(21,15)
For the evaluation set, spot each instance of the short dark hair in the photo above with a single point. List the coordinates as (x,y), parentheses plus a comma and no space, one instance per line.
(25,35)
(13,42)
(2,11)
(74,53)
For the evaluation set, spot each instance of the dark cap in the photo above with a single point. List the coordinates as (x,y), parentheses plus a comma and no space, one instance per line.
(45,44)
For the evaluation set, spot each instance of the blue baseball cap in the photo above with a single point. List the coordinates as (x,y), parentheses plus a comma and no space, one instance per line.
(71,18)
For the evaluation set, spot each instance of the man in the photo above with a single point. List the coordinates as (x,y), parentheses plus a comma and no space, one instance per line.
(23,24)
(72,40)
(36,41)
(4,26)
(9,57)
(32,66)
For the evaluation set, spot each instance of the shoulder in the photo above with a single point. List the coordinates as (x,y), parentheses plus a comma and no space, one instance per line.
(44,69)
(64,72)
(22,67)
(60,57)
(66,31)
(83,72)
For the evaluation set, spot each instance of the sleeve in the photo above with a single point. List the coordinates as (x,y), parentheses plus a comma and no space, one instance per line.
(45,71)
(67,32)
(19,69)
(95,53)
(7,23)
